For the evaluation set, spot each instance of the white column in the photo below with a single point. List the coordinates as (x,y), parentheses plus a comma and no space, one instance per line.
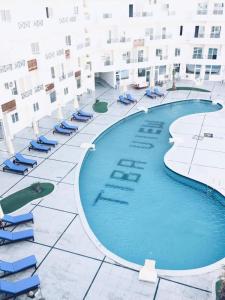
(35,127)
(152,77)
(8,137)
(59,111)
(75,103)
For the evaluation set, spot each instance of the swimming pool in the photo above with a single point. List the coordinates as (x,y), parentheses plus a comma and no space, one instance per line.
(137,208)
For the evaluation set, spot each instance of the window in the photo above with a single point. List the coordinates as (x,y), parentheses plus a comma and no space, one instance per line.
(162,70)
(181,30)
(131,10)
(75,10)
(215,32)
(141,72)
(158,53)
(52,72)
(66,91)
(213,69)
(124,74)
(176,67)
(212,53)
(193,69)
(150,32)
(197,53)
(68,40)
(140,55)
(218,8)
(177,51)
(35,48)
(15,117)
(202,8)
(5,15)
(199,31)
(11,85)
(36,106)
(53,96)
(49,12)
(164,33)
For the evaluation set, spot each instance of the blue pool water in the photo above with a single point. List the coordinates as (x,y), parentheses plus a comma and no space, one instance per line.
(138,208)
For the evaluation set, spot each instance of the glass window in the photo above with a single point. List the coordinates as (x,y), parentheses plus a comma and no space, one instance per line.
(141,72)
(212,53)
(66,91)
(199,32)
(53,96)
(213,69)
(53,72)
(197,53)
(202,8)
(190,69)
(124,74)
(164,33)
(162,70)
(150,32)
(15,117)
(177,51)
(5,15)
(68,40)
(36,106)
(218,8)
(35,48)
(215,32)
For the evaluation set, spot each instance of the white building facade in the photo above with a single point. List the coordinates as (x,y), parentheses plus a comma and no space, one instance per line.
(52,51)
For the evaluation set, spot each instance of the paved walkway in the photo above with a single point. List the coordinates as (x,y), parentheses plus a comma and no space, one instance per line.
(69,265)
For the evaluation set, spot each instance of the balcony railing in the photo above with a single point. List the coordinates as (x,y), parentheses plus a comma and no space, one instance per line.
(121,40)
(136,60)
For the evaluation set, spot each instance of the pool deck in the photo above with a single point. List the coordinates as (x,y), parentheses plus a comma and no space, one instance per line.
(69,265)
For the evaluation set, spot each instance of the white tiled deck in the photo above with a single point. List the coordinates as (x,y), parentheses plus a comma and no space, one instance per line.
(69,265)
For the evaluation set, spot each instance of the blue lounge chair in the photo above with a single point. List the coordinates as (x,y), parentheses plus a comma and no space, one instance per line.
(68,126)
(79,118)
(84,114)
(7,237)
(43,140)
(150,94)
(58,129)
(20,159)
(11,167)
(20,287)
(9,220)
(157,92)
(130,98)
(38,147)
(123,100)
(9,268)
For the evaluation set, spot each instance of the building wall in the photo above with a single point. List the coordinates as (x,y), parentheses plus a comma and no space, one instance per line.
(51,49)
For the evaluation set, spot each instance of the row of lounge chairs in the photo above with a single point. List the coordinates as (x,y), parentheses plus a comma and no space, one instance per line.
(13,289)
(154,93)
(19,164)
(126,99)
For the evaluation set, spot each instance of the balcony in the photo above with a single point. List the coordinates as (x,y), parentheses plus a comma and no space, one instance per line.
(121,40)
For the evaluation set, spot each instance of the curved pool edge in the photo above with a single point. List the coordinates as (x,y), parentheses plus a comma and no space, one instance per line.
(90,234)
